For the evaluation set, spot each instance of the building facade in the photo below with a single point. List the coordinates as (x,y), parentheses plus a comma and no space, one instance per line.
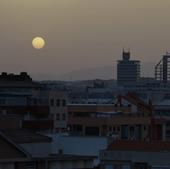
(128,71)
(135,155)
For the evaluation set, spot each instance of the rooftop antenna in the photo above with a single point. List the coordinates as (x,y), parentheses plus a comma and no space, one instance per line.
(167,53)
(123,49)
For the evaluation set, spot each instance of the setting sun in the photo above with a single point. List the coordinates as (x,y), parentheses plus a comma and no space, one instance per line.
(38,42)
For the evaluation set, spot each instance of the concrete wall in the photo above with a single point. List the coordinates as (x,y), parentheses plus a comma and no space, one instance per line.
(89,146)
(78,145)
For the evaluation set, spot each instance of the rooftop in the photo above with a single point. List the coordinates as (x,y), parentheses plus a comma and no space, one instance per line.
(25,136)
(64,157)
(10,150)
(23,76)
(139,146)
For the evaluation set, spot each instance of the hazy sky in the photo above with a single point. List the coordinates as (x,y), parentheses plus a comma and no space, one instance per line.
(80,34)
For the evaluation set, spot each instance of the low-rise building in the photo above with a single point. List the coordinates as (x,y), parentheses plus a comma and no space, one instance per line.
(27,150)
(134,154)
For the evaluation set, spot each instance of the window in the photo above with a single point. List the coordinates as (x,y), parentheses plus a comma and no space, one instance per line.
(126,166)
(57,116)
(64,116)
(51,102)
(30,165)
(64,103)
(58,103)
(109,166)
(144,127)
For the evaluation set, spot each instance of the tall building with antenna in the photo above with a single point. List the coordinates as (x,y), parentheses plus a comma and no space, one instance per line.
(128,71)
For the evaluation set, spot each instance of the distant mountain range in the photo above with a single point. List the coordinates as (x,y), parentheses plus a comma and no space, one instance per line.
(104,72)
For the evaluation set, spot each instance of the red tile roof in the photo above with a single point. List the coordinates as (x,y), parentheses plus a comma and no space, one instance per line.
(139,146)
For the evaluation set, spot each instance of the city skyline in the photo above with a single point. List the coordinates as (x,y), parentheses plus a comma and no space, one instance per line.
(80,34)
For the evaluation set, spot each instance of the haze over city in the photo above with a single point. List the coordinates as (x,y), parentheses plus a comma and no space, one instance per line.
(84,84)
(81,34)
